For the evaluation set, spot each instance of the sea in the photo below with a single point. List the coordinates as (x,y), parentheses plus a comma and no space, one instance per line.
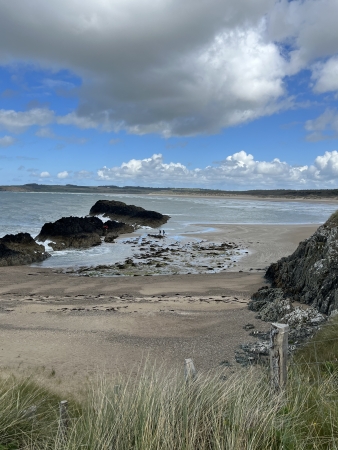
(27,212)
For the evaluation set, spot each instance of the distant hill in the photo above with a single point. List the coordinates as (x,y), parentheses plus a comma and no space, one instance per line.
(274,193)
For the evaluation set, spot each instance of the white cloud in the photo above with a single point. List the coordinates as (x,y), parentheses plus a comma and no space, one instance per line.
(45,175)
(63,174)
(20,121)
(6,141)
(327,165)
(309,27)
(323,127)
(326,76)
(239,170)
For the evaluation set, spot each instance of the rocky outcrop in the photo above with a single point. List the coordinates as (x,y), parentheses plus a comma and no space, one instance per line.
(131,214)
(310,274)
(81,232)
(112,227)
(19,249)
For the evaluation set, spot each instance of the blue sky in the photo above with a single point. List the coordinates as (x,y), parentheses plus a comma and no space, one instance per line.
(227,95)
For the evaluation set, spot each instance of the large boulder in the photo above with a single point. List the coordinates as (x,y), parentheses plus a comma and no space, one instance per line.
(131,214)
(80,232)
(310,274)
(19,249)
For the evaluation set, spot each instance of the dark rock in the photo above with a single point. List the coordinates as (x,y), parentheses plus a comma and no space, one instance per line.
(72,232)
(117,228)
(110,238)
(19,249)
(263,296)
(248,326)
(80,232)
(310,274)
(128,213)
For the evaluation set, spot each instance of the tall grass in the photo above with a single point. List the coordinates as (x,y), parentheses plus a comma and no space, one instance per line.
(159,410)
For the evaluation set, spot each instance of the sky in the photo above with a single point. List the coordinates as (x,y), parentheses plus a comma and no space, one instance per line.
(224,94)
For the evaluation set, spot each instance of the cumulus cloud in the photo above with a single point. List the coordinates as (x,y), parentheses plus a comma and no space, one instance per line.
(63,174)
(163,67)
(326,76)
(308,27)
(20,121)
(6,141)
(239,170)
(172,67)
(327,165)
(44,175)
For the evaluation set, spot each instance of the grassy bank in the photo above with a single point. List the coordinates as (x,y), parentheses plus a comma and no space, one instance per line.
(234,411)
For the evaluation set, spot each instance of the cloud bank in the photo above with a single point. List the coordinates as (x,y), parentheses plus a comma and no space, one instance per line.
(237,171)
(171,67)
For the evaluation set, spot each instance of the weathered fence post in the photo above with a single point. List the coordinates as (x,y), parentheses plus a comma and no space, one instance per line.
(278,355)
(189,370)
(64,419)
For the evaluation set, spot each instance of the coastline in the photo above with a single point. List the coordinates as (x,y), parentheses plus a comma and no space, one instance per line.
(333,200)
(77,326)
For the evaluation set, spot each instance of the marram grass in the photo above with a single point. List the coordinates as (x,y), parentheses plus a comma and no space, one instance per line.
(161,411)
(158,410)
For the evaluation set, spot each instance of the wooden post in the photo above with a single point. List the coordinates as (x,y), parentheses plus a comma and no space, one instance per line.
(278,355)
(189,370)
(64,419)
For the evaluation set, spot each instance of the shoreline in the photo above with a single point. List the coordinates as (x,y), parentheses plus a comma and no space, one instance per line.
(76,326)
(333,200)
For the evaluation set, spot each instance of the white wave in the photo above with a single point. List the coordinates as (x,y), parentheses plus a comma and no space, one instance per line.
(48,248)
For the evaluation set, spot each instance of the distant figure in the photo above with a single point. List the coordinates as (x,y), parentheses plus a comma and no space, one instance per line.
(163,232)
(160,232)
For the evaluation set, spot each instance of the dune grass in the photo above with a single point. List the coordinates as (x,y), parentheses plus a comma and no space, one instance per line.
(159,410)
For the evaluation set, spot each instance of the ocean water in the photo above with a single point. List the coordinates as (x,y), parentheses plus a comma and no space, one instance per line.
(27,212)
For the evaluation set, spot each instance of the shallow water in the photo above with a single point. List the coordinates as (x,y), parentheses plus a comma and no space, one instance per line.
(27,212)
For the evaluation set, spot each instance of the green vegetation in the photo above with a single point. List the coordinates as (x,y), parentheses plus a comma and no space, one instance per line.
(278,193)
(158,410)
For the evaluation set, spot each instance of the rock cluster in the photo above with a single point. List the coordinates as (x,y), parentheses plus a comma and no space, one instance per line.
(80,232)
(162,255)
(19,249)
(131,214)
(272,305)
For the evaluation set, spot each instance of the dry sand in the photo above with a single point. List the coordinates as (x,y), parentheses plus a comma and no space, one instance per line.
(68,327)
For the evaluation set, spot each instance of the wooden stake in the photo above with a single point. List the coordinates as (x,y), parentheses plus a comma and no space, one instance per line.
(64,419)
(189,370)
(278,355)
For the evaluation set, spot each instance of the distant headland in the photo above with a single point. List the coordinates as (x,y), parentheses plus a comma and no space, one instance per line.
(292,194)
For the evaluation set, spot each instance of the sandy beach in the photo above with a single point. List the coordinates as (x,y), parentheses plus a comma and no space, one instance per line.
(68,327)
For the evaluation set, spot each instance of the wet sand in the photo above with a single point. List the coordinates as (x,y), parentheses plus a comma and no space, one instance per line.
(68,327)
